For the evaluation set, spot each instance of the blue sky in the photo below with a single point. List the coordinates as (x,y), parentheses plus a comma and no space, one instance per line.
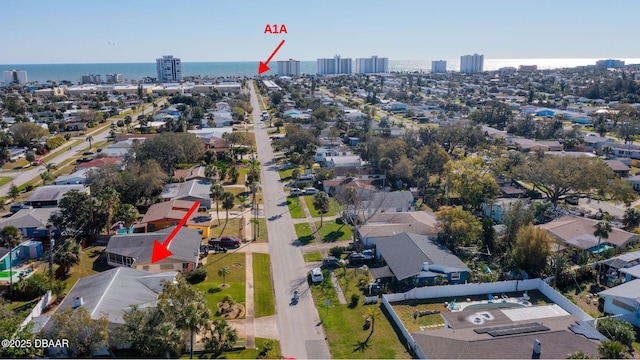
(112,31)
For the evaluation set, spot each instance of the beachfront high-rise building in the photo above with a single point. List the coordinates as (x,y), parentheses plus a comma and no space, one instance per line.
(91,79)
(169,69)
(113,78)
(335,65)
(439,66)
(15,77)
(472,63)
(289,68)
(610,64)
(372,65)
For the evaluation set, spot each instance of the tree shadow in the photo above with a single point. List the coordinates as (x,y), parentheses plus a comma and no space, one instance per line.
(333,236)
(361,346)
(304,240)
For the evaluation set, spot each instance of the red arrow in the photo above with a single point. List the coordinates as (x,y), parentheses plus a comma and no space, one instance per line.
(160,251)
(263,65)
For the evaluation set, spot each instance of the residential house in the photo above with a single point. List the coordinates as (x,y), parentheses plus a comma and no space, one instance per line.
(383,225)
(337,161)
(418,260)
(596,141)
(623,301)
(193,173)
(100,162)
(192,190)
(135,250)
(623,266)
(32,222)
(113,292)
(577,232)
(618,167)
(17,153)
(528,144)
(634,181)
(170,213)
(119,149)
(27,250)
(332,187)
(50,195)
(78,177)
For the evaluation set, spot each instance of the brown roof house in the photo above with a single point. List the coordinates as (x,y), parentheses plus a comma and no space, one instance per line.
(578,232)
(384,225)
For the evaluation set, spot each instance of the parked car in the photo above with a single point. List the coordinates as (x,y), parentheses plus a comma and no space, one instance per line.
(88,153)
(295,192)
(331,262)
(18,207)
(358,258)
(225,241)
(310,191)
(316,275)
(37,162)
(217,249)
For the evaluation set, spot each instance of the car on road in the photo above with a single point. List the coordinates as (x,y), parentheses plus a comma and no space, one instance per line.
(316,275)
(37,162)
(225,241)
(18,207)
(88,153)
(331,262)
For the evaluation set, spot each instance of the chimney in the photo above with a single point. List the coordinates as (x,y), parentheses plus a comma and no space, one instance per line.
(536,349)
(425,266)
(77,302)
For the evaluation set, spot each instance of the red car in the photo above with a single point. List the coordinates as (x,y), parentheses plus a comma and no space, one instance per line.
(225,241)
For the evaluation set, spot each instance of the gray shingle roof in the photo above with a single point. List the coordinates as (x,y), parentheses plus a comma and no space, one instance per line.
(52,192)
(112,292)
(185,246)
(629,290)
(405,253)
(29,218)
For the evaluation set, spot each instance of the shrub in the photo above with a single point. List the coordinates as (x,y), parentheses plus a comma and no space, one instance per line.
(355,298)
(30,156)
(197,276)
(67,137)
(55,142)
(617,330)
(336,251)
(30,288)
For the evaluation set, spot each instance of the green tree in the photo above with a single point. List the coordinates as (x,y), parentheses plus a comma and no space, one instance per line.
(90,140)
(14,192)
(85,335)
(579,355)
(151,333)
(211,172)
(472,180)
(108,200)
(30,156)
(532,247)
(385,164)
(10,327)
(127,213)
(26,133)
(516,216)
(223,272)
(558,263)
(233,174)
(602,231)
(77,213)
(216,192)
(617,330)
(228,202)
(222,337)
(189,309)
(45,176)
(457,227)
(631,218)
(10,237)
(321,204)
(612,350)
(67,255)
(170,149)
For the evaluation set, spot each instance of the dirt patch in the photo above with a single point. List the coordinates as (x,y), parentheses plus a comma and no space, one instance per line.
(235,311)
(225,286)
(236,265)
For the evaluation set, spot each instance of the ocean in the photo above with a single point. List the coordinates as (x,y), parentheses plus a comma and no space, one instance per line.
(135,71)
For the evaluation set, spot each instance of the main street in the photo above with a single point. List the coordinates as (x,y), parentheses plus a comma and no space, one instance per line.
(22,177)
(301,332)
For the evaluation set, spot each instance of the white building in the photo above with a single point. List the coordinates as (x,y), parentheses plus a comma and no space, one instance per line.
(439,66)
(372,65)
(169,69)
(15,77)
(472,63)
(289,68)
(335,65)
(113,78)
(91,79)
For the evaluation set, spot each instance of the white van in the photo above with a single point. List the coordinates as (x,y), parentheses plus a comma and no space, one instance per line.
(316,275)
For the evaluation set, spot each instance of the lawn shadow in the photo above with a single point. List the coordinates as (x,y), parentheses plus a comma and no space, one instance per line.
(100,264)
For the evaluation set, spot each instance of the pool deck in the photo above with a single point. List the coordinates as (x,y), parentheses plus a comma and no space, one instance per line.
(17,272)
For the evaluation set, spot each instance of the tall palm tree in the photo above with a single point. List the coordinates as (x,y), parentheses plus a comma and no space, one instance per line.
(108,198)
(559,263)
(603,228)
(321,204)
(127,213)
(224,271)
(216,192)
(385,164)
(45,176)
(222,337)
(10,237)
(211,172)
(228,202)
(67,255)
(90,140)
(50,166)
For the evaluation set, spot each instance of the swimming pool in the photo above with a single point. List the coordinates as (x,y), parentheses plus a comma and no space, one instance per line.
(496,305)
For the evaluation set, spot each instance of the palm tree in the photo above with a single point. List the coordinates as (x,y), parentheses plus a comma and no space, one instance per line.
(67,255)
(211,172)
(228,202)
(610,349)
(108,198)
(385,164)
(50,166)
(631,218)
(127,213)
(373,313)
(90,140)
(222,337)
(224,271)
(321,204)
(216,192)
(45,176)
(10,237)
(603,228)
(559,263)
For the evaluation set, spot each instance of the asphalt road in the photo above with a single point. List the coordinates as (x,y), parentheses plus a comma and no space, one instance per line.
(21,177)
(301,332)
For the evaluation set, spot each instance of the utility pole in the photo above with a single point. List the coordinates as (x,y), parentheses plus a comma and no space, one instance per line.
(51,244)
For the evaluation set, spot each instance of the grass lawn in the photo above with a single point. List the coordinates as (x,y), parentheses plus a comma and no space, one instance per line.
(311,257)
(4,180)
(344,324)
(331,231)
(236,279)
(304,233)
(90,263)
(263,285)
(295,209)
(334,207)
(231,227)
(237,354)
(262,230)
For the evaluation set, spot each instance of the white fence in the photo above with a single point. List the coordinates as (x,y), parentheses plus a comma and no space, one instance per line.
(40,306)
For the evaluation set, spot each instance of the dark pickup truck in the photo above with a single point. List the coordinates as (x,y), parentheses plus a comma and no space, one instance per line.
(226,242)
